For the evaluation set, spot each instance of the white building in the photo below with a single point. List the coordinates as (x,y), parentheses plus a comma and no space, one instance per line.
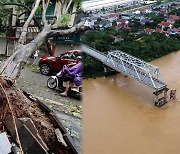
(99,4)
(89,23)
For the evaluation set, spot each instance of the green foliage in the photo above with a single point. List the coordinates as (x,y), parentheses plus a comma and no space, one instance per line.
(39,9)
(4,16)
(176,11)
(77,1)
(156,19)
(159,2)
(65,19)
(5,12)
(150,47)
(78,4)
(92,67)
(136,26)
(100,40)
(143,46)
(177,24)
(98,21)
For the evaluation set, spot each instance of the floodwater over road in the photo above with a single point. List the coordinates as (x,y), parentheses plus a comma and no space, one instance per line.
(120,116)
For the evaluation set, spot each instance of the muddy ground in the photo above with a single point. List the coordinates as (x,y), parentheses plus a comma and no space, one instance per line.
(68,110)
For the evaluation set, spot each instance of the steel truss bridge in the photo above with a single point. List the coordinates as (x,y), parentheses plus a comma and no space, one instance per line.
(131,66)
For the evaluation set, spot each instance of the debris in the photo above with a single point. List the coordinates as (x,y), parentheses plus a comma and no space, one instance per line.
(29,142)
(71,143)
(60,137)
(12,113)
(9,124)
(30,125)
(15,149)
(5,146)
(32,119)
(173,94)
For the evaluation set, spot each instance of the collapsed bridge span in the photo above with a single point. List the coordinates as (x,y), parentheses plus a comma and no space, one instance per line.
(131,66)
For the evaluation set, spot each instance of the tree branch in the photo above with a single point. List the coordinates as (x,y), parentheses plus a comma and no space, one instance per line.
(45,6)
(15,3)
(22,13)
(69,4)
(22,38)
(24,6)
(60,32)
(61,1)
(62,6)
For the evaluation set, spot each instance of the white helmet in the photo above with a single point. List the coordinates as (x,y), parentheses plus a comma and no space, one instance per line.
(79,58)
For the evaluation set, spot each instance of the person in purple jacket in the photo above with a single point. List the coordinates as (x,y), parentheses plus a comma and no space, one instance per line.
(72,75)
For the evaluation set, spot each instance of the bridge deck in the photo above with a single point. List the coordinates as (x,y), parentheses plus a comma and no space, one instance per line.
(94,53)
(130,66)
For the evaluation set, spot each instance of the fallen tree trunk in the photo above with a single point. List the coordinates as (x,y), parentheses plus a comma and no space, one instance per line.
(11,68)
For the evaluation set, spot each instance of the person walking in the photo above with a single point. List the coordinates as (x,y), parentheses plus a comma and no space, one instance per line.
(36,57)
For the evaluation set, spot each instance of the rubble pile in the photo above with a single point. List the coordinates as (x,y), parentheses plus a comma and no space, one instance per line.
(37,130)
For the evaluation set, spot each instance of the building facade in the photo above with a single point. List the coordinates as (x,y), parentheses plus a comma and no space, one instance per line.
(53,12)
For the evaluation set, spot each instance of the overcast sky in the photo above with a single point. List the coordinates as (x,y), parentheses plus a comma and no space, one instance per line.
(93,4)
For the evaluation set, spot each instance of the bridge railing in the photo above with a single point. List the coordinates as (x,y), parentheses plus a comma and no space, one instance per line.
(138,69)
(88,47)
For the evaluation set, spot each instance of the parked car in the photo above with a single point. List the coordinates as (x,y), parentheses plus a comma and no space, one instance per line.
(49,64)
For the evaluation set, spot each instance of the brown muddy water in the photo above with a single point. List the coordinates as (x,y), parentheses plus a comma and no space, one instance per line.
(120,116)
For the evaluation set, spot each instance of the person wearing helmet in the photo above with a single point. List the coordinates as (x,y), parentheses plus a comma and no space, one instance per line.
(72,75)
(78,58)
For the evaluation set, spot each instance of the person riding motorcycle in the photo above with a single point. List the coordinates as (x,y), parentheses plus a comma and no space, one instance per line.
(72,75)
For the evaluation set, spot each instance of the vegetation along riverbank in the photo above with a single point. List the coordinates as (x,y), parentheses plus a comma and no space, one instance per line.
(146,33)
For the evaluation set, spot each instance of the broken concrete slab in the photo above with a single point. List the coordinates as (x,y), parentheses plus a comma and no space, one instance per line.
(29,142)
(9,124)
(62,128)
(60,137)
(30,125)
(5,146)
(71,143)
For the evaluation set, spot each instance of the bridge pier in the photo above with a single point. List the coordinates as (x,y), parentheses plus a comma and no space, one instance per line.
(108,71)
(162,98)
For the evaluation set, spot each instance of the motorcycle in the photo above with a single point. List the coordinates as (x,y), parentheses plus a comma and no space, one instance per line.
(57,82)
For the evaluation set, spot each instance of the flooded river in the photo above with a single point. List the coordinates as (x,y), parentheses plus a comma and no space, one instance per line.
(120,116)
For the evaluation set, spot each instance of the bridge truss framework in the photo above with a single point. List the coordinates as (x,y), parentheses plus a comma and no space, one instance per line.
(138,69)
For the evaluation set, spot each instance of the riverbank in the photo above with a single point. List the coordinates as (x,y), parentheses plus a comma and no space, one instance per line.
(143,46)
